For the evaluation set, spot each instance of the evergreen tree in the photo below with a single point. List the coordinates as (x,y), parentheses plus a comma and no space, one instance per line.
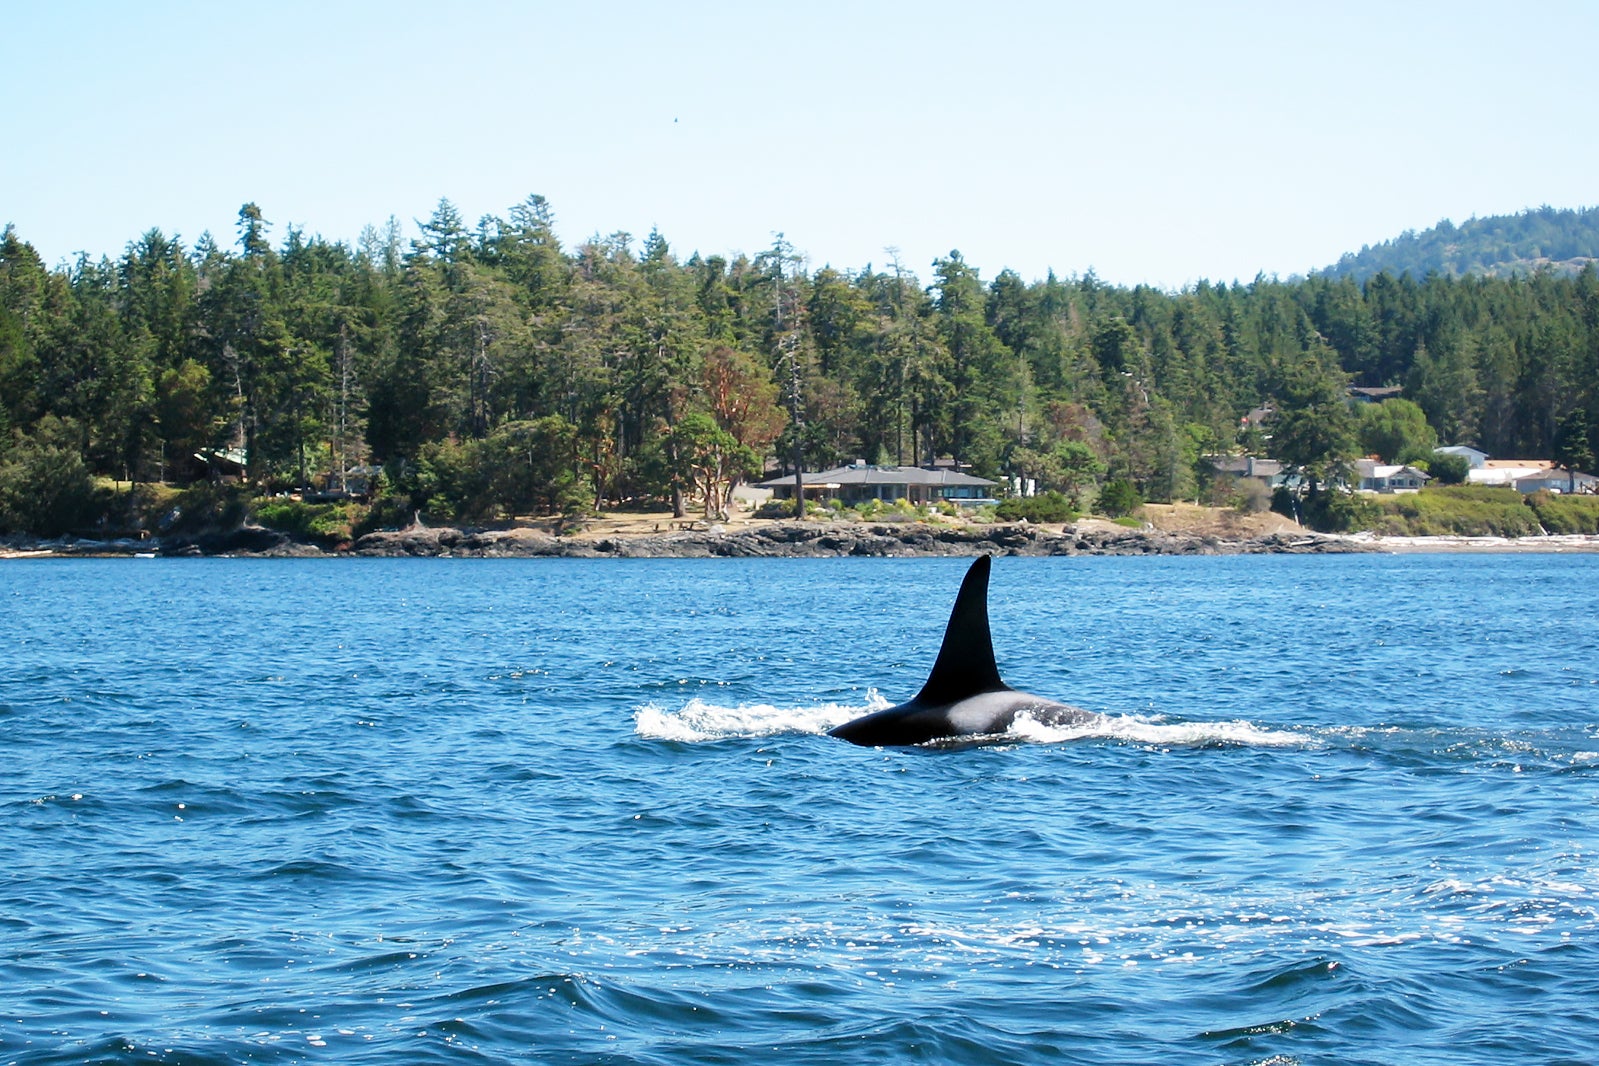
(1574,443)
(314,355)
(985,389)
(1313,429)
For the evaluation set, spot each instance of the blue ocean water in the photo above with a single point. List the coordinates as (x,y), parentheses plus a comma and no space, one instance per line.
(1338,809)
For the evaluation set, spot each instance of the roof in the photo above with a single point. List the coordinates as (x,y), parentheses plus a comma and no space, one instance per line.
(1244,465)
(840,476)
(1556,473)
(236,456)
(1507,471)
(1378,393)
(1371,468)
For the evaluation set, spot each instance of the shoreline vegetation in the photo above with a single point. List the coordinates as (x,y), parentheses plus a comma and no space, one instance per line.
(1181,529)
(478,375)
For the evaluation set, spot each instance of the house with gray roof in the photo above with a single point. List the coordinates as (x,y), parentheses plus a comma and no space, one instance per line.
(1373,475)
(1241,466)
(860,482)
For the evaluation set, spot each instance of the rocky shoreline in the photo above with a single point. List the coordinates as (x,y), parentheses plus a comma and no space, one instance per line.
(777,540)
(783,539)
(796,540)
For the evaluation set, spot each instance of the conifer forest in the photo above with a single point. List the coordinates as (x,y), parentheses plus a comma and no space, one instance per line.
(489,371)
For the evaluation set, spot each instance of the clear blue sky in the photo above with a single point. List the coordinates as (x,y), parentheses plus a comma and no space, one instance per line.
(1153,142)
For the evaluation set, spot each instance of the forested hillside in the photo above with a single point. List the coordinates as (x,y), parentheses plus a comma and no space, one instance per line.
(1546,238)
(493,372)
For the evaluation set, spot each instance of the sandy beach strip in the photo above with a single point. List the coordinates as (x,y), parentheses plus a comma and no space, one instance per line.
(1549,544)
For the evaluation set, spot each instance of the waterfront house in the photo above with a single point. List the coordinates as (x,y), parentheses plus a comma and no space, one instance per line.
(1241,466)
(1375,476)
(1474,458)
(1504,473)
(860,482)
(1556,479)
(218,464)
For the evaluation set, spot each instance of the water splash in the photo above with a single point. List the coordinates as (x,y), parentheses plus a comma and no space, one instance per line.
(700,721)
(1157,731)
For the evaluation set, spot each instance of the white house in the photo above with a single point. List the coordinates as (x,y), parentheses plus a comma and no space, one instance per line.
(1474,458)
(1530,475)
(1380,477)
(1506,472)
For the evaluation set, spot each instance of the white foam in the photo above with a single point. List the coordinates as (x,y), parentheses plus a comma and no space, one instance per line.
(700,721)
(1156,731)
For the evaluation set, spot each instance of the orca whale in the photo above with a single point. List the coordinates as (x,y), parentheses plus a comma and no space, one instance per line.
(963,696)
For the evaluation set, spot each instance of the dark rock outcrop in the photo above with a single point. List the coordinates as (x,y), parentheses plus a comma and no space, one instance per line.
(793,540)
(776,540)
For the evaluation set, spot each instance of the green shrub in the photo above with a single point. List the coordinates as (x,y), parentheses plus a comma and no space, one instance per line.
(1251,496)
(1119,498)
(387,512)
(520,468)
(1391,525)
(1449,469)
(204,507)
(1559,513)
(46,490)
(1340,512)
(900,510)
(813,509)
(1461,511)
(328,523)
(1046,507)
(130,509)
(775,509)
(1285,503)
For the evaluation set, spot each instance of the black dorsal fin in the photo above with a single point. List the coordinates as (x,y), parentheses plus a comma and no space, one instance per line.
(965,664)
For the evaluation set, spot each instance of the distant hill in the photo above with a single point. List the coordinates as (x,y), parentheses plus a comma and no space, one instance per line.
(1543,238)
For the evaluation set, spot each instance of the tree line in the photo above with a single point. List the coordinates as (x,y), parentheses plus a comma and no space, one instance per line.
(1539,238)
(491,371)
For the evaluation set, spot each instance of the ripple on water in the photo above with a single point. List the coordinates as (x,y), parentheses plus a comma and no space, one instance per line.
(422,821)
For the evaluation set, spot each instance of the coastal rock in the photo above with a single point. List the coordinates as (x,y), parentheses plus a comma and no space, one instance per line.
(791,540)
(774,540)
